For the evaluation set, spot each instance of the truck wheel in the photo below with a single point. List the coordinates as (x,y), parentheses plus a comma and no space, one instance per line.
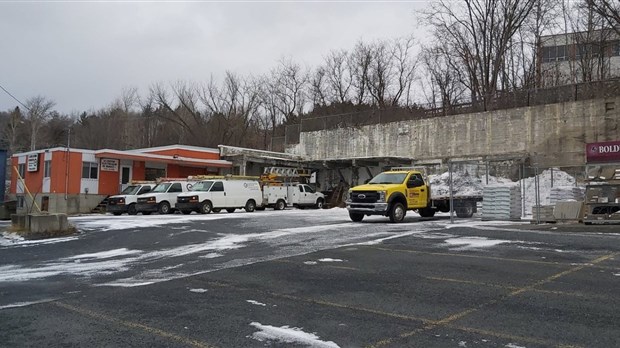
(250,206)
(356,217)
(466,211)
(164,208)
(398,212)
(205,207)
(319,203)
(131,209)
(280,205)
(230,210)
(426,212)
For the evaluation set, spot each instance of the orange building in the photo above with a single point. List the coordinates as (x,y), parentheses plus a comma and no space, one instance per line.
(75,180)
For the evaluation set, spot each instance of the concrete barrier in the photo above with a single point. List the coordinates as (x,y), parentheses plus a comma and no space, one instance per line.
(39,226)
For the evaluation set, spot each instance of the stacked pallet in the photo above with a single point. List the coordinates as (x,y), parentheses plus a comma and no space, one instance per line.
(543,213)
(501,203)
(566,193)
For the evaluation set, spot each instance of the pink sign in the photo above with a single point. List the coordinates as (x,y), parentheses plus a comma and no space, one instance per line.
(603,152)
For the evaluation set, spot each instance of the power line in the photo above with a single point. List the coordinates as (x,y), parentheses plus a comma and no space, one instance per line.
(12,96)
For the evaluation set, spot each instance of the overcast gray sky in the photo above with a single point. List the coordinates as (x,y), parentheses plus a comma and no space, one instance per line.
(82,54)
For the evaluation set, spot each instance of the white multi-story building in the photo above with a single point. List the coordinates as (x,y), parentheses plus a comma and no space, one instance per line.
(578,57)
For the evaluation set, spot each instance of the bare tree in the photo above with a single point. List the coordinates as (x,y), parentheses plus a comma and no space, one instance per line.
(444,78)
(38,113)
(609,10)
(480,33)
(338,76)
(359,65)
(13,125)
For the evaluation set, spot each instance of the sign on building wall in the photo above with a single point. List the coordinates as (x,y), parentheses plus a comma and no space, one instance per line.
(603,152)
(109,165)
(33,162)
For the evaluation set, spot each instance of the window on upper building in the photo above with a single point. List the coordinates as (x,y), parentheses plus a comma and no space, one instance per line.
(554,54)
(90,170)
(21,202)
(47,169)
(615,48)
(21,168)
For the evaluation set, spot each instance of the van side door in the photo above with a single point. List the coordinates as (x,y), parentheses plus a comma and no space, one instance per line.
(218,195)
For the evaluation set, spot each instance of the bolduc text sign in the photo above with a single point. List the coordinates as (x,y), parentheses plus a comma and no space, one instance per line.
(109,165)
(603,152)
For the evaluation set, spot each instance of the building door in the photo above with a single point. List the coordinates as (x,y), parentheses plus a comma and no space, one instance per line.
(125,176)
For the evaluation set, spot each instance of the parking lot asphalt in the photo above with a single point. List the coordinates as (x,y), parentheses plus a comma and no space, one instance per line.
(282,282)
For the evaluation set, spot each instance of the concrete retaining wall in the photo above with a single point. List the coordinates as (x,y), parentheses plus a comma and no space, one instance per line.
(550,135)
(73,204)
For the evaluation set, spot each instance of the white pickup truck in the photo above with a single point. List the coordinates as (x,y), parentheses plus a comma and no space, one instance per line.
(125,202)
(279,196)
(162,199)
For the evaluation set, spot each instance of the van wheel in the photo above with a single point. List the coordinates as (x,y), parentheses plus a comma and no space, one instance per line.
(216,210)
(280,205)
(164,208)
(205,207)
(397,213)
(230,210)
(131,209)
(319,203)
(356,217)
(250,206)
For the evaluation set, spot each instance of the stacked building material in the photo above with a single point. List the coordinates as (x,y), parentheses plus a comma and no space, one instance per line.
(566,193)
(501,203)
(543,213)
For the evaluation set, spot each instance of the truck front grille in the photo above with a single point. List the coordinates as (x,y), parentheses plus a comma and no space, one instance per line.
(364,196)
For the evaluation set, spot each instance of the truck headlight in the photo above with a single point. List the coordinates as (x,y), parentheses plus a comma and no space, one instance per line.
(381,196)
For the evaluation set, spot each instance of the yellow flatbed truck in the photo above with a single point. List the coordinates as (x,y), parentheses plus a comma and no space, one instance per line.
(393,192)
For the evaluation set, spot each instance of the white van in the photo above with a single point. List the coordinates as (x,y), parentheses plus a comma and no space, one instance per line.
(162,197)
(125,202)
(213,195)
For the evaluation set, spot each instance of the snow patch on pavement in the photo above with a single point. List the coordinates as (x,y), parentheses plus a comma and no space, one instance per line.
(24,304)
(286,334)
(330,260)
(463,243)
(105,254)
(256,303)
(12,240)
(198,291)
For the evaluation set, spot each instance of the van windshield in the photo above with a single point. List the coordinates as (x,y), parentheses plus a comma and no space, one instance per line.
(389,178)
(203,186)
(131,190)
(163,187)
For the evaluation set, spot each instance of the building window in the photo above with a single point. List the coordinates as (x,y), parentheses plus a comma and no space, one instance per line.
(21,202)
(615,48)
(554,54)
(90,170)
(47,169)
(21,169)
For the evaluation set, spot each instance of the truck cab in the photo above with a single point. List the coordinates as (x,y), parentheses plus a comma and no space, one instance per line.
(162,199)
(391,194)
(125,202)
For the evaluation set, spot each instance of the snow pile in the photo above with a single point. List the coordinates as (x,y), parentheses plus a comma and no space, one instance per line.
(286,334)
(464,184)
(561,181)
